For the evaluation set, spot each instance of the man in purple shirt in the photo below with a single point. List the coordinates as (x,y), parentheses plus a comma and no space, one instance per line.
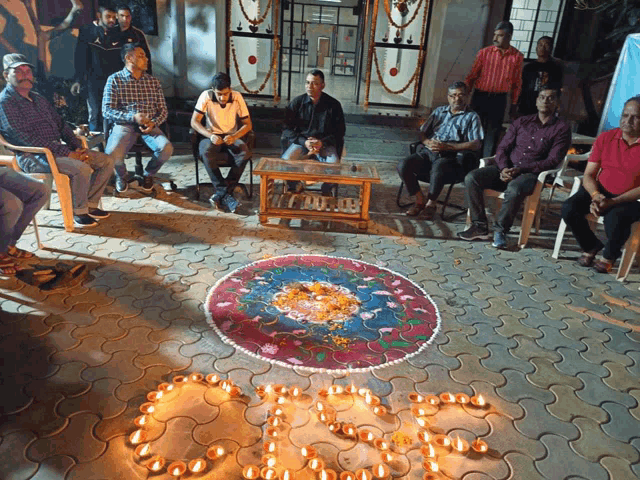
(28,120)
(533,143)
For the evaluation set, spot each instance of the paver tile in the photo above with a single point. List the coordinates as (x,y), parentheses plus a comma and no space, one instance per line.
(538,421)
(517,388)
(573,363)
(617,468)
(594,443)
(120,367)
(99,400)
(512,327)
(15,465)
(595,392)
(60,464)
(501,359)
(562,462)
(117,460)
(621,425)
(597,353)
(505,438)
(546,374)
(521,467)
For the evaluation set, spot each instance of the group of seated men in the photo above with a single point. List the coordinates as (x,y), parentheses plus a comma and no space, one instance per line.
(315,127)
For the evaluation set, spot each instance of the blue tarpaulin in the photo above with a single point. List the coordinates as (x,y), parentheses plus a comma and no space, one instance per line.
(624,85)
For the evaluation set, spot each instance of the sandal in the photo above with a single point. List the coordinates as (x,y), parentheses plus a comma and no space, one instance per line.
(16,252)
(415,209)
(7,266)
(430,211)
(603,266)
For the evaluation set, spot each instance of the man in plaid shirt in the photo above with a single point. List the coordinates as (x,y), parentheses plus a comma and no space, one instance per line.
(134,102)
(28,120)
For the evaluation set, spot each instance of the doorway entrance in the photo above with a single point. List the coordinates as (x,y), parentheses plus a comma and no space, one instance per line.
(324,37)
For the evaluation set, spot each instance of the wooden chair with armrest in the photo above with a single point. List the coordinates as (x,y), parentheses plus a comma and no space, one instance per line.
(62,182)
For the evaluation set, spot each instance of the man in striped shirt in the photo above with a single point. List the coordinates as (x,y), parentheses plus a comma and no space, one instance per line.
(451,140)
(496,71)
(134,102)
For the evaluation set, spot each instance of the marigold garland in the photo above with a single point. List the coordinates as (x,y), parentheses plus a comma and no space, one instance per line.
(274,57)
(387,9)
(411,80)
(259,20)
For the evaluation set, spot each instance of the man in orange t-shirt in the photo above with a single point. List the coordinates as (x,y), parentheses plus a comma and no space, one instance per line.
(496,71)
(611,189)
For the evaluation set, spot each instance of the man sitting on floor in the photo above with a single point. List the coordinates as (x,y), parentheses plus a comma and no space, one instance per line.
(222,108)
(20,199)
(134,102)
(28,120)
(533,143)
(610,188)
(451,138)
(314,126)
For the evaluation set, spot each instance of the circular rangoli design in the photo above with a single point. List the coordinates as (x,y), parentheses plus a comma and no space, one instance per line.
(322,313)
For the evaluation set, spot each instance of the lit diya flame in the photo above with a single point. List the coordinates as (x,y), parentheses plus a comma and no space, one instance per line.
(428,451)
(316,464)
(442,440)
(165,387)
(213,378)
(179,379)
(335,390)
(140,421)
(351,389)
(272,432)
(386,457)
(430,466)
(424,436)
(363,474)
(460,445)
(269,460)
(479,446)
(335,427)
(380,444)
(363,393)
(366,436)
(415,397)
(177,468)
(281,400)
(288,474)
(380,471)
(279,389)
(273,421)
(197,465)
(143,450)
(462,398)
(156,463)
(422,421)
(147,408)
(196,377)
(308,452)
(295,392)
(276,410)
(349,430)
(269,446)
(478,401)
(216,451)
(446,397)
(346,475)
(268,473)
(371,399)
(250,472)
(137,437)
(380,410)
(320,406)
(418,411)
(328,474)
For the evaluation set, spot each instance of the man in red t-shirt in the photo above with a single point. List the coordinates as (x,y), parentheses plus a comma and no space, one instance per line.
(611,188)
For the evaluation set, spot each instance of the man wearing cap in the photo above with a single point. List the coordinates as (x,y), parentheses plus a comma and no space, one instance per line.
(27,119)
(496,72)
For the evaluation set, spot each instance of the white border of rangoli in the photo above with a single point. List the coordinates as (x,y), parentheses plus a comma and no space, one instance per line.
(342,371)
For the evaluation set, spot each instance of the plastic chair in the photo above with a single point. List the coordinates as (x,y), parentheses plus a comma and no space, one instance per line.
(445,203)
(63,185)
(531,203)
(630,249)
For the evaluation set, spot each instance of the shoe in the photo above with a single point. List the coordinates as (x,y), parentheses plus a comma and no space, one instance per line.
(475,232)
(121,185)
(216,200)
(415,210)
(430,211)
(499,239)
(98,213)
(586,259)
(147,184)
(603,266)
(84,220)
(230,203)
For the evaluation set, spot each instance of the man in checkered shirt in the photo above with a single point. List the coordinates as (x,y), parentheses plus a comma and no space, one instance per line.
(134,103)
(28,120)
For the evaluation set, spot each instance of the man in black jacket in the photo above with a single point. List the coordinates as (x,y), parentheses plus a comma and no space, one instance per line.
(313,126)
(97,56)
(131,34)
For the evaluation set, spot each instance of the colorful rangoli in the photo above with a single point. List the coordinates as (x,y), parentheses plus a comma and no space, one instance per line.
(322,313)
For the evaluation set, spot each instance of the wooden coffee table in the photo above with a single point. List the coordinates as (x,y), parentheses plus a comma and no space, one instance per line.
(276,202)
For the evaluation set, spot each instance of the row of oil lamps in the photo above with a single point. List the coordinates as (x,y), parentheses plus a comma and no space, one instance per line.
(326,414)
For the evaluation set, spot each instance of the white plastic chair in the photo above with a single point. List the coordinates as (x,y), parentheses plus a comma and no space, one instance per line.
(630,249)
(531,203)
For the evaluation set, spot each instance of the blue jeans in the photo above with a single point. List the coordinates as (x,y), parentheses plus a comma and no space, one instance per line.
(325,155)
(123,137)
(87,179)
(20,199)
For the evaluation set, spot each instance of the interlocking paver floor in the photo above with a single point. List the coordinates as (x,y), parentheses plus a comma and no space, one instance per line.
(553,347)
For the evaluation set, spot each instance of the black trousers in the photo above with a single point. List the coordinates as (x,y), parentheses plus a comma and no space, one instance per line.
(213,156)
(617,223)
(490,107)
(438,169)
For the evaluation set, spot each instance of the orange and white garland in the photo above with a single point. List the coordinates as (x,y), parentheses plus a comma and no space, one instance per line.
(258,20)
(387,9)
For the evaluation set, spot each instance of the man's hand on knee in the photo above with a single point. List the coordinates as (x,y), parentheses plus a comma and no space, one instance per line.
(80,154)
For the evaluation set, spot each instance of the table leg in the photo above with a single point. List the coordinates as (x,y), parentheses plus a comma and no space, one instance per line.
(264,197)
(365,196)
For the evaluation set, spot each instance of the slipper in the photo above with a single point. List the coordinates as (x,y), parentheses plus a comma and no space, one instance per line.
(8,268)
(415,209)
(430,211)
(587,258)
(16,252)
(603,266)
